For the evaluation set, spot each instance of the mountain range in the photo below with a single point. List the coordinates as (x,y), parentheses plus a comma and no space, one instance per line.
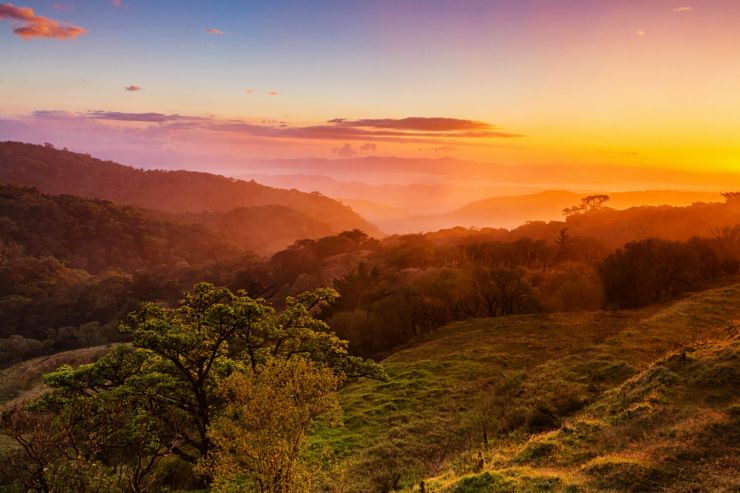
(260,217)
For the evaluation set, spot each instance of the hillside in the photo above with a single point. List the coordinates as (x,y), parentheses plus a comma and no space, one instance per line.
(515,210)
(62,172)
(24,379)
(97,235)
(601,401)
(264,229)
(614,228)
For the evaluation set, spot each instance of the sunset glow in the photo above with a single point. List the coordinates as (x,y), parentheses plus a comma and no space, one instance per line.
(369,246)
(185,83)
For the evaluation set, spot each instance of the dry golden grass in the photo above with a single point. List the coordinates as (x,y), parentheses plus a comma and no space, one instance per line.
(24,379)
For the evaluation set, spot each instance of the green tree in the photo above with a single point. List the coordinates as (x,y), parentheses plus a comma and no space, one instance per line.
(261,435)
(160,395)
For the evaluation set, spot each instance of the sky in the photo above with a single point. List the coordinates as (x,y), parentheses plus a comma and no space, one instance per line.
(218,85)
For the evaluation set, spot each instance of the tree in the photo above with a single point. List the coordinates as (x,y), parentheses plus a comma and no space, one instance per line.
(647,271)
(589,203)
(26,463)
(159,396)
(731,196)
(503,291)
(593,202)
(360,288)
(260,436)
(563,243)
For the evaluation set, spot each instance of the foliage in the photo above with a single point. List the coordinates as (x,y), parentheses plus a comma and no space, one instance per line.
(553,392)
(63,172)
(160,395)
(648,271)
(95,235)
(588,204)
(261,435)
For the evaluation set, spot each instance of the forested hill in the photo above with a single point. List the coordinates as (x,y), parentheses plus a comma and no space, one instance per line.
(263,229)
(97,235)
(63,172)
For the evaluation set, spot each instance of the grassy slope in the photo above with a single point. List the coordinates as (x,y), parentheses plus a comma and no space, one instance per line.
(620,401)
(24,379)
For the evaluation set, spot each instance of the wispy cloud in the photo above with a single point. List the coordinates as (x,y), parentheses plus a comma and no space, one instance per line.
(36,26)
(273,93)
(131,117)
(213,30)
(117,3)
(685,8)
(433,124)
(413,130)
(133,88)
(422,126)
(249,91)
(640,33)
(443,149)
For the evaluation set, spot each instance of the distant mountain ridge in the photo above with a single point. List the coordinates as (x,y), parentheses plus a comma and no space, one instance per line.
(515,210)
(553,175)
(56,171)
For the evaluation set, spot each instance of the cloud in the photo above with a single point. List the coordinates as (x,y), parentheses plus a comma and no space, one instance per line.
(434,124)
(273,93)
(640,33)
(339,131)
(213,30)
(136,117)
(421,126)
(249,91)
(133,88)
(53,114)
(36,26)
(443,149)
(117,3)
(348,150)
(345,151)
(683,9)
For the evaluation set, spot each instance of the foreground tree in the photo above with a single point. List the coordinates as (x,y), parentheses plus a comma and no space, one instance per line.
(261,435)
(159,396)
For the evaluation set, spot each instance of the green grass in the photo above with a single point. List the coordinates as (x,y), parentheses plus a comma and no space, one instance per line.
(643,400)
(571,402)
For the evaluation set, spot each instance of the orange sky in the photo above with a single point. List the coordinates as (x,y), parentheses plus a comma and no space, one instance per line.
(649,83)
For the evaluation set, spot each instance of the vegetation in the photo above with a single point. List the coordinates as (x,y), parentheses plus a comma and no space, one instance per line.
(588,204)
(189,372)
(262,433)
(602,401)
(499,369)
(62,291)
(97,236)
(57,171)
(70,268)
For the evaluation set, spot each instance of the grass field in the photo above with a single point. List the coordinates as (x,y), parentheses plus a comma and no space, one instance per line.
(630,401)
(606,401)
